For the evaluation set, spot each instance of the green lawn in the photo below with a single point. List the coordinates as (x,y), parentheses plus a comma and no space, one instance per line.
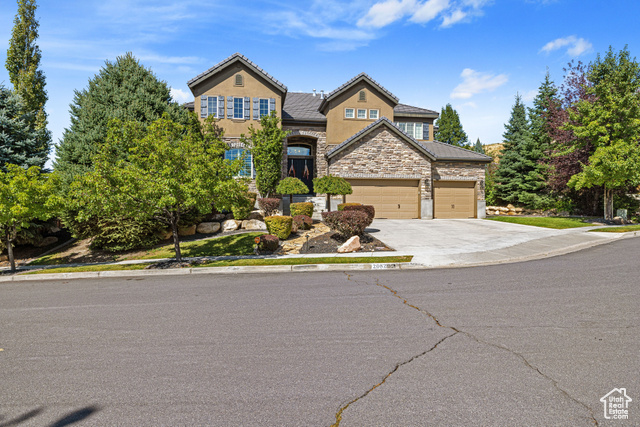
(236,244)
(103,267)
(544,221)
(622,229)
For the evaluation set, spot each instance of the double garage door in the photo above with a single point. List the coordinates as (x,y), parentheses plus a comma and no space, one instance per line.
(454,199)
(392,198)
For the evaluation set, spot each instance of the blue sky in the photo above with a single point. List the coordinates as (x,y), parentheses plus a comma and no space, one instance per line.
(474,54)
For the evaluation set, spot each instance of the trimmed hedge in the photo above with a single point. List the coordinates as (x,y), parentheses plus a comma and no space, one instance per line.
(291,185)
(304,208)
(341,206)
(368,209)
(303,222)
(279,226)
(267,242)
(269,206)
(346,223)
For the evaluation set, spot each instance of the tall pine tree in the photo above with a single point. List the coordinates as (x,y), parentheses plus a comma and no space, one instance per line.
(450,129)
(478,148)
(519,178)
(23,61)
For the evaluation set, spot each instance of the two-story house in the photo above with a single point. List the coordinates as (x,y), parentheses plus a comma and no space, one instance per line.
(359,131)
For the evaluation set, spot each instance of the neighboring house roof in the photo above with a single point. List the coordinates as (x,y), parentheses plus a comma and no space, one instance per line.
(236,57)
(382,121)
(302,107)
(189,105)
(409,111)
(357,79)
(444,151)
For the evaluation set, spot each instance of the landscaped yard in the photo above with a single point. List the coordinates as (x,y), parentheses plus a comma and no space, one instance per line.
(622,229)
(545,221)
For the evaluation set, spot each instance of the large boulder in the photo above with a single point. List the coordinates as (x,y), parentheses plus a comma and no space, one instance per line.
(47,241)
(253,224)
(256,215)
(351,245)
(218,217)
(231,225)
(187,231)
(208,227)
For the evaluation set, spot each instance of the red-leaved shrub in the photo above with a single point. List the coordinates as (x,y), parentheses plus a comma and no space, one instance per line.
(346,223)
(269,205)
(267,242)
(368,209)
(302,222)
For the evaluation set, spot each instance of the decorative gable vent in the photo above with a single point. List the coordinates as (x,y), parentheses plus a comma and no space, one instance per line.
(362,96)
(239,80)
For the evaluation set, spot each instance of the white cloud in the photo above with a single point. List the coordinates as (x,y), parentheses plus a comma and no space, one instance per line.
(453,18)
(429,10)
(575,46)
(474,82)
(180,96)
(386,12)
(529,96)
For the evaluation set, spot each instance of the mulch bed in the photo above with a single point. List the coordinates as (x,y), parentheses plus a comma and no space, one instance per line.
(330,242)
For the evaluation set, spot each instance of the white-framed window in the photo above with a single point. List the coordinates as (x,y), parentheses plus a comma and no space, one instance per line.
(349,113)
(264,107)
(238,108)
(414,130)
(247,161)
(374,114)
(362,113)
(212,106)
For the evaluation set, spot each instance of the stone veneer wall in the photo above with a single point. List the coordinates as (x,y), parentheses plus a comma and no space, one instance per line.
(381,154)
(320,136)
(461,171)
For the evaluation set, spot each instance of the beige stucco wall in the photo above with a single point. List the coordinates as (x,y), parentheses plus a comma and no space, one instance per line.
(381,154)
(461,171)
(223,83)
(338,127)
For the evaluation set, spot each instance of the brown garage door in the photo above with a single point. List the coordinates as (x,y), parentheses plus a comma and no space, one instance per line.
(454,199)
(392,198)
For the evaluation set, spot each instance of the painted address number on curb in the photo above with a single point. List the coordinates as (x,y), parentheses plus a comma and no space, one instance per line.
(383,266)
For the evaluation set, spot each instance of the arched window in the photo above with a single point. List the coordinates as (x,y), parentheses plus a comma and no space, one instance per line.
(299,150)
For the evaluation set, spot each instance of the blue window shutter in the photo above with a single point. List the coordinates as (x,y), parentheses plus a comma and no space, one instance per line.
(247,108)
(425,131)
(221,107)
(229,107)
(203,106)
(256,108)
(272,104)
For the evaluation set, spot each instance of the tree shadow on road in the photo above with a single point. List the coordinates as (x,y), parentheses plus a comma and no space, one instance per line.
(70,418)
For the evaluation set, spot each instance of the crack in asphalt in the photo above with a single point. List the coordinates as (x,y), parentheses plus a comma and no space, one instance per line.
(455,331)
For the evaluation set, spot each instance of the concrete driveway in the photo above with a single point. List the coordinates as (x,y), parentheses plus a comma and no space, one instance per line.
(443,242)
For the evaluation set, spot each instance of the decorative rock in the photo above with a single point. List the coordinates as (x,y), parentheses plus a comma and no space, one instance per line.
(518,210)
(165,234)
(618,220)
(49,240)
(218,217)
(510,207)
(351,245)
(231,225)
(229,216)
(208,227)
(253,224)
(53,229)
(187,231)
(503,209)
(256,215)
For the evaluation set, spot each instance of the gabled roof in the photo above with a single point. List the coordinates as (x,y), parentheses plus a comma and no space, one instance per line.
(409,110)
(302,107)
(382,121)
(357,79)
(444,151)
(236,57)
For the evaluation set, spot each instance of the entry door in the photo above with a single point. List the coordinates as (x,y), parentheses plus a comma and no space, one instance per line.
(301,169)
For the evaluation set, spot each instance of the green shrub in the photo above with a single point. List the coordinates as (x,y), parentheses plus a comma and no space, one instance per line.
(346,223)
(253,197)
(368,209)
(305,208)
(267,242)
(332,185)
(341,206)
(242,206)
(303,222)
(269,205)
(279,226)
(292,185)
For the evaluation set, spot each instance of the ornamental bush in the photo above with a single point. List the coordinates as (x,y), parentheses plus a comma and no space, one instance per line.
(267,242)
(269,205)
(368,209)
(279,226)
(303,222)
(332,185)
(346,223)
(242,206)
(341,206)
(305,208)
(291,185)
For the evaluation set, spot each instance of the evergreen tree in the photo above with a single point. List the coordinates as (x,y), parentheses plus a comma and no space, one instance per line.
(539,114)
(519,175)
(450,129)
(478,148)
(23,60)
(18,137)
(123,90)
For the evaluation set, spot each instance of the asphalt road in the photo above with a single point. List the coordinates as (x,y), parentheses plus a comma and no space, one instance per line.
(528,344)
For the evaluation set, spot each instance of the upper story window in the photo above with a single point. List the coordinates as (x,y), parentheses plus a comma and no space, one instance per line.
(374,114)
(362,96)
(212,106)
(362,113)
(238,108)
(349,113)
(247,161)
(239,80)
(264,107)
(415,130)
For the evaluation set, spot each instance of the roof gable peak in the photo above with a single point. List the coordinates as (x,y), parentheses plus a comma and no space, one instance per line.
(355,80)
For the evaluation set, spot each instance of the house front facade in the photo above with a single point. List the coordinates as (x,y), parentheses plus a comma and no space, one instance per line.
(359,131)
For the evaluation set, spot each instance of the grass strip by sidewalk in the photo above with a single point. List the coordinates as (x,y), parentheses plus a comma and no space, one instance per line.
(556,222)
(239,262)
(622,229)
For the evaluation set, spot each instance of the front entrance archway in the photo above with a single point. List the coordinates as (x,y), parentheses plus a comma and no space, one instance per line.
(300,160)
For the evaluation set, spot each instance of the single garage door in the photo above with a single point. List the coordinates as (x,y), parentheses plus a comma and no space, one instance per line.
(454,199)
(392,198)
